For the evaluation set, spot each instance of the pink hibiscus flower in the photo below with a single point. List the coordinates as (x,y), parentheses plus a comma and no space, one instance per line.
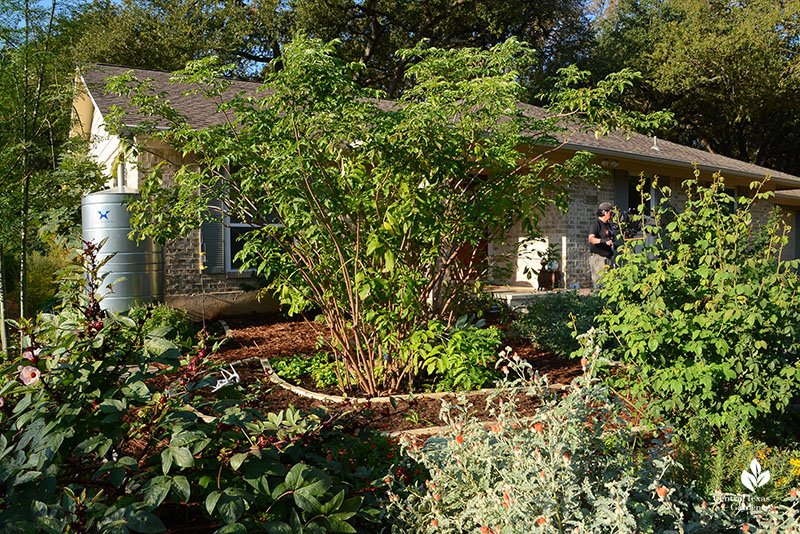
(29,375)
(31,355)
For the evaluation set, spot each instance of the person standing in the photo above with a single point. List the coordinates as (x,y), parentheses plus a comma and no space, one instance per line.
(601,242)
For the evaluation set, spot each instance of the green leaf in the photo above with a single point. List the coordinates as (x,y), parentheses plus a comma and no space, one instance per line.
(233,528)
(166,460)
(157,491)
(307,503)
(211,501)
(388,258)
(237,459)
(334,504)
(230,508)
(181,488)
(143,521)
(88,445)
(337,525)
(278,527)
(26,476)
(182,456)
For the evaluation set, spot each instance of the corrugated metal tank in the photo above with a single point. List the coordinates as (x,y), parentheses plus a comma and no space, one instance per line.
(136,271)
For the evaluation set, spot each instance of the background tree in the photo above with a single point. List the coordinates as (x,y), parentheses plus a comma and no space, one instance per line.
(165,34)
(373,30)
(35,106)
(729,70)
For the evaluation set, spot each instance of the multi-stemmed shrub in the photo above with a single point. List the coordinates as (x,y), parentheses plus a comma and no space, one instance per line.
(458,358)
(576,466)
(707,317)
(374,212)
(92,440)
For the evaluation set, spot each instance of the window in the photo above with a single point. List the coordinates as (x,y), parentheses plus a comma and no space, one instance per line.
(627,195)
(635,195)
(732,206)
(235,229)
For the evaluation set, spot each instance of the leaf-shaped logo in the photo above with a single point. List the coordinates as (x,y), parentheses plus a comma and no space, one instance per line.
(756,478)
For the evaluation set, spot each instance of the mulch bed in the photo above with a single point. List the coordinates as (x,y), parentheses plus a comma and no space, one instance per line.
(274,336)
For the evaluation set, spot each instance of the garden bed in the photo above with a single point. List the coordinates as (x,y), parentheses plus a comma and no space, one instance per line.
(270,336)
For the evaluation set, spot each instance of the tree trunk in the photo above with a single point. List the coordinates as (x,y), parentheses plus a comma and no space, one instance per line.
(3,334)
(23,253)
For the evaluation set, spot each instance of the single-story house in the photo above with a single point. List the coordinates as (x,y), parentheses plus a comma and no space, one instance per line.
(625,157)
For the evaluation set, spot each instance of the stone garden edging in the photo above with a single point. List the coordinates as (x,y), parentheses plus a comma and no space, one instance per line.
(338,399)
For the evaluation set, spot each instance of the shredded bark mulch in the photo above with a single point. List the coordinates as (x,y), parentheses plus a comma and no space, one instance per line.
(275,336)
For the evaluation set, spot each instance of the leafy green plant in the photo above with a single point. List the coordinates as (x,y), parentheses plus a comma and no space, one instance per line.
(574,466)
(552,321)
(173,324)
(320,367)
(464,356)
(707,322)
(88,442)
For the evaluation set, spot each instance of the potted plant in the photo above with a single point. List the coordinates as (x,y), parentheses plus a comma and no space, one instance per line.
(548,274)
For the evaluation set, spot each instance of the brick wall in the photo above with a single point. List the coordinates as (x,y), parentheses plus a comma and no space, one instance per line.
(573,228)
(184,286)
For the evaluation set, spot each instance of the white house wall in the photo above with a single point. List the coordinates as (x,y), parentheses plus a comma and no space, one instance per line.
(105,148)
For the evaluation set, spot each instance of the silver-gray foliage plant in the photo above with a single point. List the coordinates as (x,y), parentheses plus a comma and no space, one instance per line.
(575,467)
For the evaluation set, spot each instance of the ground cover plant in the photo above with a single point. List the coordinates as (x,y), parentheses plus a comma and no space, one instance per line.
(577,466)
(170,323)
(373,212)
(552,321)
(92,441)
(707,318)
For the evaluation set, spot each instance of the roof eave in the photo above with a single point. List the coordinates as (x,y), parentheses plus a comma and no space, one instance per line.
(778,181)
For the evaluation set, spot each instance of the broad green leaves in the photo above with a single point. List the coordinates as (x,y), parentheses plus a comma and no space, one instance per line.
(709,315)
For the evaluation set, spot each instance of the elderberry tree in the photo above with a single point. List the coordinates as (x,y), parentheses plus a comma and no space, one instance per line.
(374,212)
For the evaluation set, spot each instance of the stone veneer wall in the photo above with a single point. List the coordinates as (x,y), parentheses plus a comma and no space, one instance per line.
(183,283)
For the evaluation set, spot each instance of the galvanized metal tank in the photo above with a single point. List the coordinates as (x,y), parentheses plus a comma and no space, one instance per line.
(135,273)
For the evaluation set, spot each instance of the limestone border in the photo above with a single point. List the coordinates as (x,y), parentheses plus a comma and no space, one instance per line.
(433,430)
(338,399)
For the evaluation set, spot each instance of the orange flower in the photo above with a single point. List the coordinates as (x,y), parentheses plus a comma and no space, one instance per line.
(484,530)
(538,427)
(745,528)
(662,491)
(459,439)
(434,523)
(793,493)
(541,521)
(435,496)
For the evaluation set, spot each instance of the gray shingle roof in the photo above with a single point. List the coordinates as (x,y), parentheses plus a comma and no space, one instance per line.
(199,110)
(202,112)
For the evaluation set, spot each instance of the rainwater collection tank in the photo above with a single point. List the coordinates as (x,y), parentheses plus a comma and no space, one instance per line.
(135,273)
